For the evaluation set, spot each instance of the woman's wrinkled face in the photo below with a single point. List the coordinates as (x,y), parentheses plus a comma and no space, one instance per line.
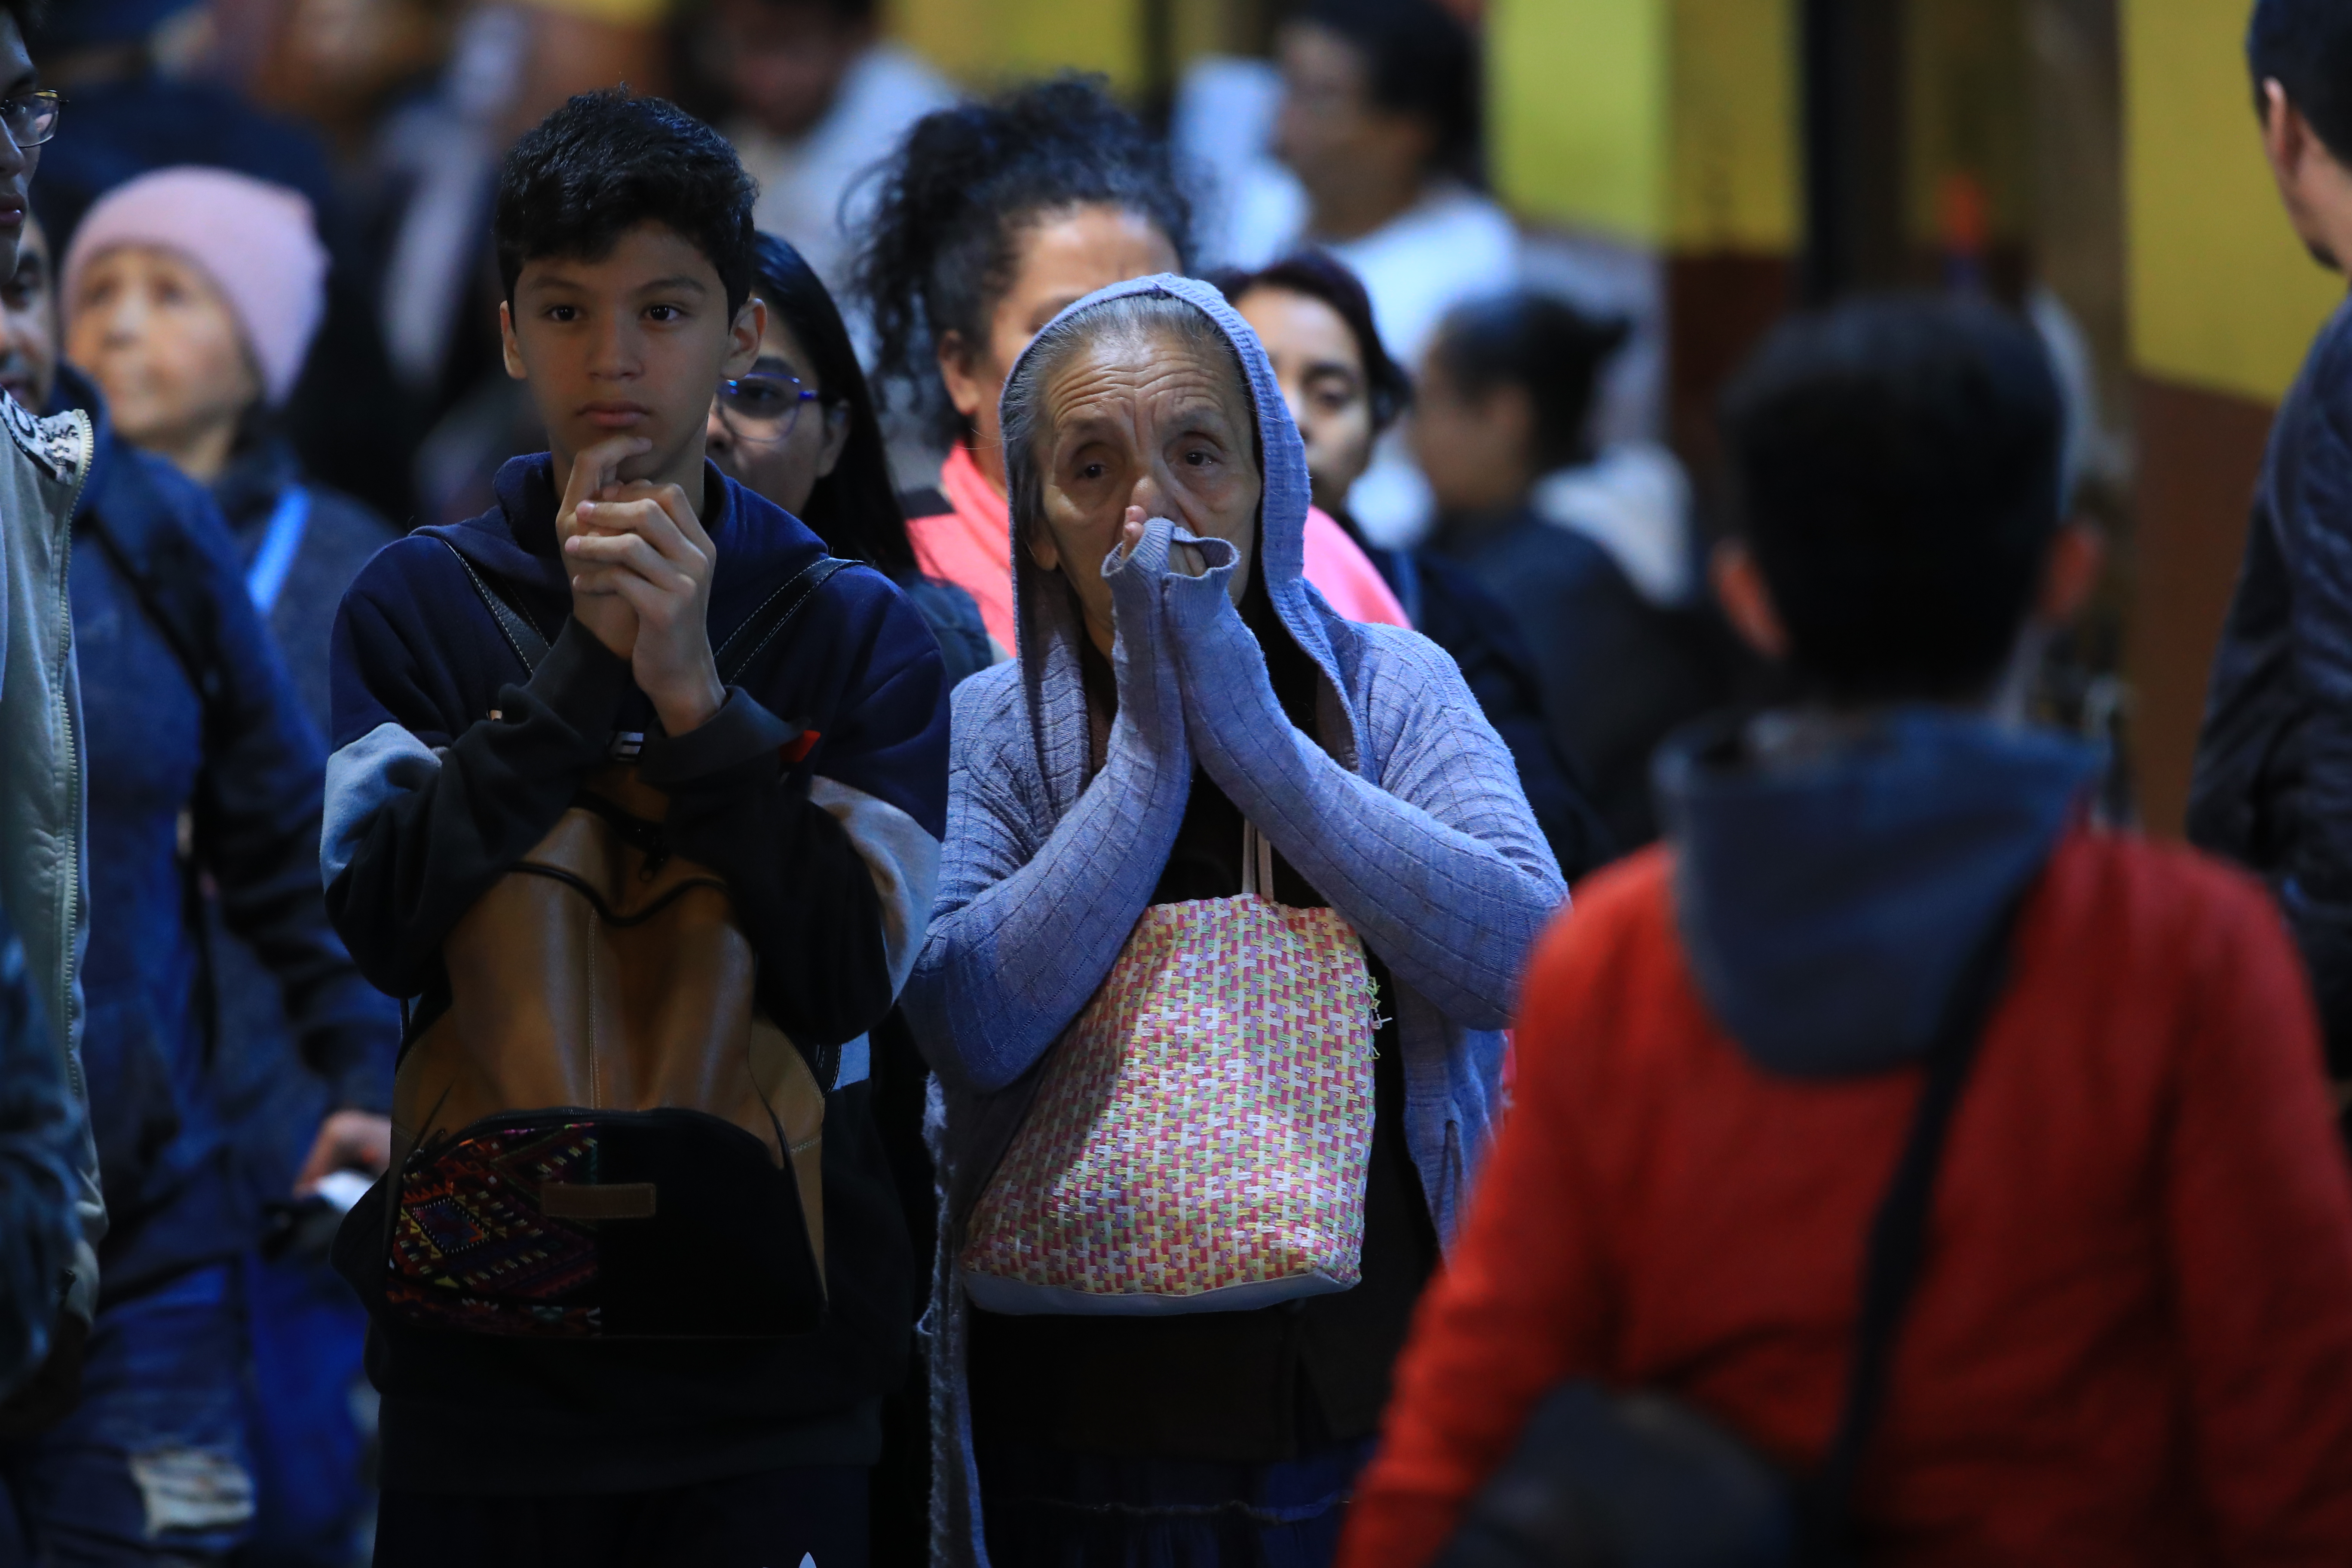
(1145,420)
(162,344)
(1321,367)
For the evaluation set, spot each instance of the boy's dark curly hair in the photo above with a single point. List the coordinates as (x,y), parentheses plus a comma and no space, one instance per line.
(605,162)
(942,245)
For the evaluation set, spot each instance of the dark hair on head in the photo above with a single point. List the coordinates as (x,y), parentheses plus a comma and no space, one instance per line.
(29,16)
(1419,60)
(855,509)
(943,243)
(1897,464)
(606,162)
(2306,46)
(1546,346)
(1319,275)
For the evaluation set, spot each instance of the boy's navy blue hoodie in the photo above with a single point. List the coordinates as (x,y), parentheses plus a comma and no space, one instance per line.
(244,767)
(830,855)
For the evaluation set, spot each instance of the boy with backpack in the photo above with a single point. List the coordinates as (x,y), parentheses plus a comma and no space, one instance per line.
(2129,1337)
(636,800)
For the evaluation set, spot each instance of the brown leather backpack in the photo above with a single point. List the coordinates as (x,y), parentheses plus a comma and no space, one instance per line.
(603,1136)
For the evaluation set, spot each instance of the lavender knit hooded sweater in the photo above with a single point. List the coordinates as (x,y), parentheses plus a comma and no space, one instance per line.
(1411,824)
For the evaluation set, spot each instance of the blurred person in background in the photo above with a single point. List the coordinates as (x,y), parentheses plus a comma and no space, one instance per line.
(1380,121)
(2130,1336)
(192,296)
(1344,391)
(136,72)
(818,100)
(1378,125)
(205,780)
(1622,651)
(2273,788)
(991,218)
(344,66)
(44,843)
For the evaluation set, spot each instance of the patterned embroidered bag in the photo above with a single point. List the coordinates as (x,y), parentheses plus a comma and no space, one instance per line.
(1199,1140)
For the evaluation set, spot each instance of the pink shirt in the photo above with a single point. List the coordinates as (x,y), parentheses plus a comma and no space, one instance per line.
(971,546)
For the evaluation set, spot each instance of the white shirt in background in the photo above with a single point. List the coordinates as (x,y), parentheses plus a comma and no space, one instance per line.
(804,182)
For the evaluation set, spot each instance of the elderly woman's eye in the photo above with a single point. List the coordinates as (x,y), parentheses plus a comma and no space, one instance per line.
(1091,470)
(1200,456)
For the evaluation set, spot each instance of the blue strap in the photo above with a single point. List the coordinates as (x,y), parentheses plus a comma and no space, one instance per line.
(280,545)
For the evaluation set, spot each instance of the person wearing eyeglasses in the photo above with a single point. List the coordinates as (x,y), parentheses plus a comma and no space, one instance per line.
(51,1212)
(801,430)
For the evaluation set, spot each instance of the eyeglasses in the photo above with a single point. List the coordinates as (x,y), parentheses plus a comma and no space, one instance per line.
(31,118)
(762,408)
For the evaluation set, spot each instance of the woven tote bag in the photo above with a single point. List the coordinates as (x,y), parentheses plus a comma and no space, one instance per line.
(1199,1140)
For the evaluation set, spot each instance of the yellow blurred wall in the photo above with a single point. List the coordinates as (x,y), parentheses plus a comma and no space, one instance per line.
(986,41)
(1665,122)
(1577,92)
(2223,295)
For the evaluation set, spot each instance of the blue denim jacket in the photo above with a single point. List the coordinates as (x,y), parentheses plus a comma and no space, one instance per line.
(2273,783)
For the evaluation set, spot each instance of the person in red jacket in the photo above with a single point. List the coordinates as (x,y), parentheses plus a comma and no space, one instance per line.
(2131,1342)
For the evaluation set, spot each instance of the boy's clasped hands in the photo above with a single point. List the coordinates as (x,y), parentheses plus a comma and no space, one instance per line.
(641,565)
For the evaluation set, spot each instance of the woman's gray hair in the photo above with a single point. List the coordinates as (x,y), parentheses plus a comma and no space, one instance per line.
(1143,317)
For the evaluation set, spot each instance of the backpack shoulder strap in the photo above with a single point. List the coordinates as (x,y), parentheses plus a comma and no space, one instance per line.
(515,626)
(1898,1234)
(763,626)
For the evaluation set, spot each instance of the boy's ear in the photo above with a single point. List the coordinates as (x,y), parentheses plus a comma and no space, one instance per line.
(507,346)
(750,327)
(1747,600)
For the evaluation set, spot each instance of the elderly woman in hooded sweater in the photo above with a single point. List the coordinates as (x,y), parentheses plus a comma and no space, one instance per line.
(1176,679)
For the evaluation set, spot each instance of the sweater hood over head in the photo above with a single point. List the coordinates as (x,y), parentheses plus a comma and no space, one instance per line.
(1048,627)
(1834,876)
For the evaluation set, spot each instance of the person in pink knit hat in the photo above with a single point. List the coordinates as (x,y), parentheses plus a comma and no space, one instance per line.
(191,297)
(187,303)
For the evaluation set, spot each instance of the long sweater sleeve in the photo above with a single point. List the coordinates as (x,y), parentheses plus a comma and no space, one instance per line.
(1022,933)
(1440,865)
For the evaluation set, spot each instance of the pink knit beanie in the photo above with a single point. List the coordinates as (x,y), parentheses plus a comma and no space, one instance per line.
(255,241)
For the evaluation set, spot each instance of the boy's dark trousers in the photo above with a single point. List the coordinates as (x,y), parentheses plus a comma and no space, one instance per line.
(770,1519)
